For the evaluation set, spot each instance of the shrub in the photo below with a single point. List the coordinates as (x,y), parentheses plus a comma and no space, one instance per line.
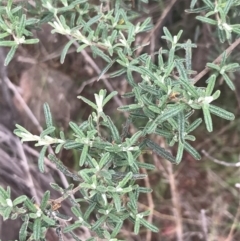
(164,98)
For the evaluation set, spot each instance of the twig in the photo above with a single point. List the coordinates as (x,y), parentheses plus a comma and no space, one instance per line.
(150,201)
(157,25)
(35,122)
(88,82)
(204,223)
(168,169)
(234,225)
(176,202)
(26,168)
(48,163)
(220,162)
(216,61)
(24,105)
(98,71)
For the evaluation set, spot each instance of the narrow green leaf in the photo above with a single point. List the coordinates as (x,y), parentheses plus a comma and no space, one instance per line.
(41,159)
(19,200)
(207,117)
(59,147)
(8,44)
(113,129)
(192,151)
(6,213)
(130,158)
(10,54)
(104,159)
(71,227)
(193,3)
(160,151)
(211,83)
(144,190)
(129,107)
(142,70)
(170,112)
(100,53)
(83,155)
(149,225)
(28,203)
(47,114)
(76,211)
(194,125)
(76,129)
(167,33)
(48,131)
(45,199)
(207,20)
(117,201)
(196,10)
(85,176)
(149,113)
(137,226)
(228,81)
(37,229)
(124,181)
(31,41)
(213,66)
(135,137)
(182,72)
(48,220)
(146,166)
(116,230)
(23,229)
(227,7)
(81,48)
(3,193)
(155,109)
(98,223)
(181,126)
(88,102)
(65,50)
(221,112)
(189,87)
(117,73)
(56,187)
(216,94)
(149,89)
(109,97)
(105,70)
(89,210)
(179,152)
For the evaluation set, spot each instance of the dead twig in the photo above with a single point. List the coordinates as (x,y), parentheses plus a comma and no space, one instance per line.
(150,201)
(216,61)
(227,164)
(98,71)
(157,25)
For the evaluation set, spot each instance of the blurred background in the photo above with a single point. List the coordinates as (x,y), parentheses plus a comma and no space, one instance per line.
(196,200)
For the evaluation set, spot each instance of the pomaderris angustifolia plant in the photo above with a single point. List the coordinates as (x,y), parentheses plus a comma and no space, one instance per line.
(164,98)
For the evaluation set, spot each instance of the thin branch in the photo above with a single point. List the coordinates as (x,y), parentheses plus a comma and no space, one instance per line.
(26,168)
(204,223)
(176,203)
(227,164)
(88,82)
(234,225)
(216,61)
(158,24)
(98,71)
(150,201)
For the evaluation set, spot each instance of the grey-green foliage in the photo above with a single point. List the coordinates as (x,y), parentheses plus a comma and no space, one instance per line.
(165,98)
(220,13)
